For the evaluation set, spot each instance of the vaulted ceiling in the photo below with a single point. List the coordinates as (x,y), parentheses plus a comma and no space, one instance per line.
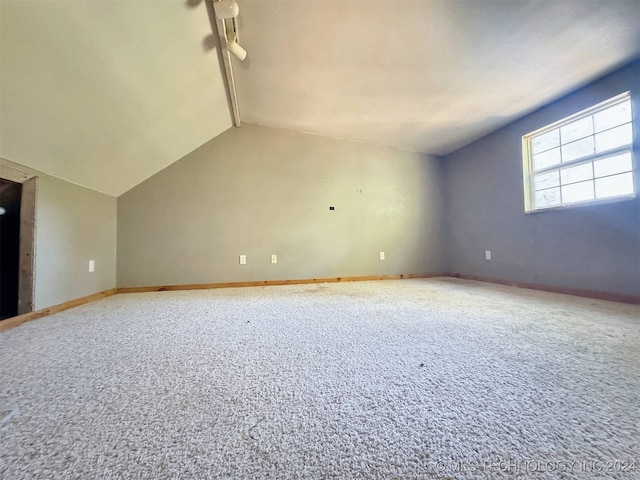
(106,93)
(424,75)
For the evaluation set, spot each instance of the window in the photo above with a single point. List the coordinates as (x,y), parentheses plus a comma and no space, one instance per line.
(583,158)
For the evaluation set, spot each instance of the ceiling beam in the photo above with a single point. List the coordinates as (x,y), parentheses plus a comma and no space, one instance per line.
(228,67)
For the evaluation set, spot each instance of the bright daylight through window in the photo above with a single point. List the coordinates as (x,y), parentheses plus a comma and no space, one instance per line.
(584,158)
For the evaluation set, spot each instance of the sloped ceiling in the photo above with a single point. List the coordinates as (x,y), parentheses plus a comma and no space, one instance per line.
(105,93)
(425,75)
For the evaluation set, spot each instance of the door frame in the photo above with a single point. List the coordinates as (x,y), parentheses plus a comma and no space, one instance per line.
(26,262)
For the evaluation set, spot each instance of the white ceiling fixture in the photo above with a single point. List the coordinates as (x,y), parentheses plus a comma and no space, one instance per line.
(226,9)
(226,12)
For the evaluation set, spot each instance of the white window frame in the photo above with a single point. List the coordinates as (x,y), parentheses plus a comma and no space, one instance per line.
(528,164)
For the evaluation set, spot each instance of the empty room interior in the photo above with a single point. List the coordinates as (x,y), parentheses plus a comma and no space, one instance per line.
(391,239)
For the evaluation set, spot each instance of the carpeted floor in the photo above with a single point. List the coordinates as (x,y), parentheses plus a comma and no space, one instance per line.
(411,379)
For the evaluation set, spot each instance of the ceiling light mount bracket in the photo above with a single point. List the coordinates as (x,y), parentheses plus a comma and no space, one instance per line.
(227,12)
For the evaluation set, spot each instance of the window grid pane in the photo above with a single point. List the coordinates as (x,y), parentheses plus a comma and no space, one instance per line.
(578,192)
(545,180)
(614,185)
(582,144)
(575,174)
(612,116)
(547,158)
(549,197)
(612,165)
(545,141)
(576,130)
(614,138)
(578,149)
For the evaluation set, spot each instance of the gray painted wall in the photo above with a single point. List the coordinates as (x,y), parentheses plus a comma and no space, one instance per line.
(593,247)
(258,191)
(73,225)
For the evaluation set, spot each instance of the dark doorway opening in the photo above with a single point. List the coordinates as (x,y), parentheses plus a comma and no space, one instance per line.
(10,201)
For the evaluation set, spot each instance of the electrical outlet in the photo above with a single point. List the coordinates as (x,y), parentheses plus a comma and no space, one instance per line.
(274,258)
(487,254)
(92,265)
(381,255)
(243,259)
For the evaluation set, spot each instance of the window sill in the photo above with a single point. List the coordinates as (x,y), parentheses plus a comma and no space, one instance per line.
(589,203)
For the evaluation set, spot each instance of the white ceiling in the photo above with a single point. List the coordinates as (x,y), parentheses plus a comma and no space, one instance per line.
(105,93)
(426,75)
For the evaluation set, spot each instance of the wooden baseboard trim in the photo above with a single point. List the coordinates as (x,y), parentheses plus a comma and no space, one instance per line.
(264,283)
(27,317)
(612,297)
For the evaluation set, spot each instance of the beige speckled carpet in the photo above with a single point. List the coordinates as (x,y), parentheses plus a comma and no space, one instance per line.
(411,379)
